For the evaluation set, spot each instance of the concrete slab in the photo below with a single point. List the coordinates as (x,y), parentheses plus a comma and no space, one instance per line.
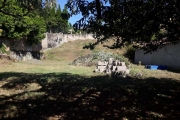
(121,68)
(123,64)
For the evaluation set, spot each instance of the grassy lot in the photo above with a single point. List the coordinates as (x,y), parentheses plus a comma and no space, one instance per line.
(53,89)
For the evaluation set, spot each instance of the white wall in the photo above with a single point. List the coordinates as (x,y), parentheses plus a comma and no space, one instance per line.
(44,43)
(73,37)
(53,40)
(169,55)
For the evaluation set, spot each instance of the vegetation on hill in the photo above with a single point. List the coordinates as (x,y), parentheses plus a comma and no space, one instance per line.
(72,50)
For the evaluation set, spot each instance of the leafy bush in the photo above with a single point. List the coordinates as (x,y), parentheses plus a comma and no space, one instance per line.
(103,56)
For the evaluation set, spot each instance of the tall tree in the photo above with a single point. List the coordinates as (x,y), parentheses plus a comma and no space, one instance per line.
(30,27)
(65,17)
(58,10)
(59,18)
(49,12)
(146,24)
(52,23)
(56,19)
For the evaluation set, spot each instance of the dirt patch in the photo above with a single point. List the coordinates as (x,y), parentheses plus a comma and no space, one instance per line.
(34,61)
(5,60)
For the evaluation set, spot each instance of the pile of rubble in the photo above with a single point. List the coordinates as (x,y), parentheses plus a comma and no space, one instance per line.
(114,67)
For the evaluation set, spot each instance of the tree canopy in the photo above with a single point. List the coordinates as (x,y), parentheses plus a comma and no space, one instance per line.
(19,25)
(55,18)
(30,19)
(147,24)
(25,4)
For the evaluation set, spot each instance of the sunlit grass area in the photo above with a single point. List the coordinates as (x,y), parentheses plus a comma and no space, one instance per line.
(53,89)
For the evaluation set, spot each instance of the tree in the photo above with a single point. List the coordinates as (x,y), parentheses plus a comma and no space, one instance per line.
(22,19)
(28,5)
(56,20)
(58,12)
(146,24)
(59,19)
(50,18)
(65,17)
(30,27)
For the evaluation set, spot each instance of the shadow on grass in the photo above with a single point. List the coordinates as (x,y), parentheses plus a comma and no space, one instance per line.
(173,70)
(66,96)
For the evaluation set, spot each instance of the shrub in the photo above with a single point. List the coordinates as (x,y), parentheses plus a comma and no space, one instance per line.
(3,48)
(103,56)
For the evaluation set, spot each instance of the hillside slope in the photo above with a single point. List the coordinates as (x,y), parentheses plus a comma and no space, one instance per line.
(71,50)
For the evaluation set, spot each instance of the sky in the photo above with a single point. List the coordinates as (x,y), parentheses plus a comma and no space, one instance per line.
(72,19)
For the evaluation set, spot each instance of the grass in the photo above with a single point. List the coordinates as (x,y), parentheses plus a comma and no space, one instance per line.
(53,89)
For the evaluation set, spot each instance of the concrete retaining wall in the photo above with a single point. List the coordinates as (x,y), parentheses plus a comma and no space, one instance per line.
(51,40)
(169,55)
(73,37)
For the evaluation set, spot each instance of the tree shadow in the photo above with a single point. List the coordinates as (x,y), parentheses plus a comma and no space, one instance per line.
(173,70)
(67,96)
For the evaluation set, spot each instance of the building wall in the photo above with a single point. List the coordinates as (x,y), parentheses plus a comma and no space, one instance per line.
(169,55)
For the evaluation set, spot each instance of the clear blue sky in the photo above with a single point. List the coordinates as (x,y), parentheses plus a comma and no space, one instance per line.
(74,18)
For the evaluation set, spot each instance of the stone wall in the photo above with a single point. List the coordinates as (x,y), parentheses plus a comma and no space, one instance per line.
(56,39)
(169,56)
(73,37)
(51,40)
(20,45)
